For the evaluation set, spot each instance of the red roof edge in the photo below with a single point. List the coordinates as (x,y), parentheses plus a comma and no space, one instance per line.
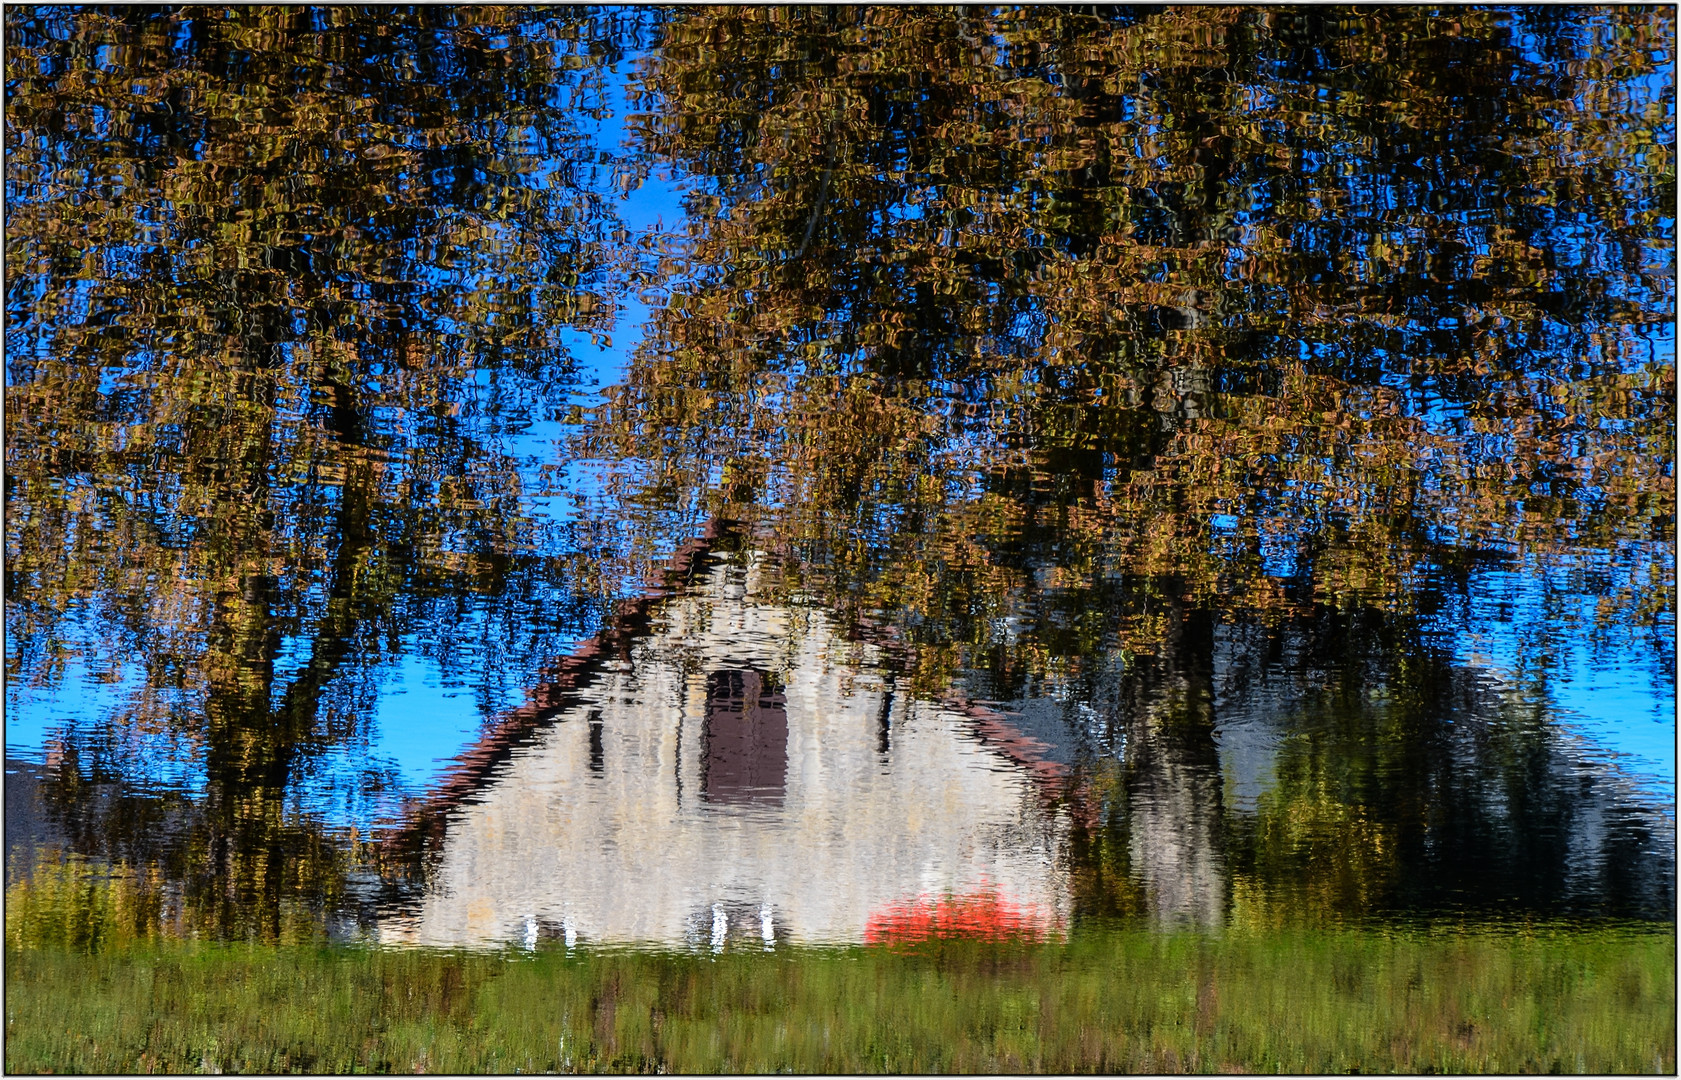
(558,682)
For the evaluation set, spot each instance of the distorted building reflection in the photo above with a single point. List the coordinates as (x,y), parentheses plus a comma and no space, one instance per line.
(747,775)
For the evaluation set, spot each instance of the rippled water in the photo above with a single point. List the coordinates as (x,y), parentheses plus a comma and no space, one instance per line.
(728,477)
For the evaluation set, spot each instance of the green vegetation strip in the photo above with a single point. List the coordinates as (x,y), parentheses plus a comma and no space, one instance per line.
(1584,1001)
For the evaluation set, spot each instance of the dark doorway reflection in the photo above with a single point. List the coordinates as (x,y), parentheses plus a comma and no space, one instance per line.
(744,761)
(598,750)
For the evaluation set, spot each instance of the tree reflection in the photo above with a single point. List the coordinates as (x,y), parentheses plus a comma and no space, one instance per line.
(1064,323)
(1058,342)
(282,282)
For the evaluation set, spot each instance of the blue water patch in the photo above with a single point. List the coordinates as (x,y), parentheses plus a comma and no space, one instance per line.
(1612,685)
(424,718)
(104,715)
(652,208)
(1624,709)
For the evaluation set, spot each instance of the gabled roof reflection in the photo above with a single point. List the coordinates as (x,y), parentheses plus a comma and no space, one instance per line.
(739,769)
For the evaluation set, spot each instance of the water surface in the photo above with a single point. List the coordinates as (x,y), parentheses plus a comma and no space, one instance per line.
(722,478)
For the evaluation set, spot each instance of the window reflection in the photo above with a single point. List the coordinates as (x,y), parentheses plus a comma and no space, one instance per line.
(744,754)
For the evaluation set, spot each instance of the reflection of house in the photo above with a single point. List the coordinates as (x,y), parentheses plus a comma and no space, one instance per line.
(742,770)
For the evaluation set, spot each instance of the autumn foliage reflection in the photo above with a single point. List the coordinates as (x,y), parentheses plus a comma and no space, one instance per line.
(1034,342)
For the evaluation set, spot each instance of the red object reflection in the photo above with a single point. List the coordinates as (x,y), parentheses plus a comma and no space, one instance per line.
(982,916)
